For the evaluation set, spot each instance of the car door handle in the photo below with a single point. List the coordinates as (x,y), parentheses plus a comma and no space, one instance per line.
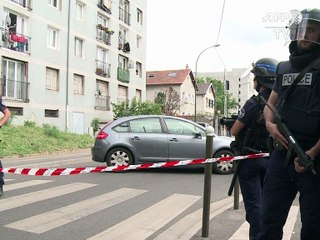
(174,140)
(135,138)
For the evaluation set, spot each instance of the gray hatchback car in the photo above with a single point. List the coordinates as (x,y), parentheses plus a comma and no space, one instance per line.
(157,138)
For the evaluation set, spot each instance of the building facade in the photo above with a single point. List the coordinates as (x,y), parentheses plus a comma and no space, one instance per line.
(64,63)
(240,84)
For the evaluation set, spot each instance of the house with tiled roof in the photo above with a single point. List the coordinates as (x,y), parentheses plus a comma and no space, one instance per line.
(205,99)
(181,80)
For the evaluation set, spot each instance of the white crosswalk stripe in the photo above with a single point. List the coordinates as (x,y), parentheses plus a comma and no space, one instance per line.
(58,217)
(139,226)
(160,220)
(13,202)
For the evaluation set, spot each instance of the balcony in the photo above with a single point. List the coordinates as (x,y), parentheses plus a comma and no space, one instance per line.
(13,89)
(103,68)
(104,34)
(24,3)
(124,16)
(102,102)
(105,5)
(15,41)
(123,75)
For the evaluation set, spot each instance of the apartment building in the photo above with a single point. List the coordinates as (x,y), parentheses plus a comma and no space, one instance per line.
(64,63)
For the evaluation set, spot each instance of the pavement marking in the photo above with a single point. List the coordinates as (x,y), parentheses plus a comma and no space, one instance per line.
(188,226)
(8,179)
(21,200)
(291,220)
(15,186)
(47,221)
(148,221)
(243,231)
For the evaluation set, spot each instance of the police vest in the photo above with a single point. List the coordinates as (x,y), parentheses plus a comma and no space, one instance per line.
(256,129)
(301,110)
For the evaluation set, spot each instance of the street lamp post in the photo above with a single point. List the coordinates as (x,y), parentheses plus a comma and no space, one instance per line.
(195,77)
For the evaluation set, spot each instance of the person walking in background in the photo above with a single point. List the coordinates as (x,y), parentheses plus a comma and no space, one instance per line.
(296,98)
(3,120)
(251,137)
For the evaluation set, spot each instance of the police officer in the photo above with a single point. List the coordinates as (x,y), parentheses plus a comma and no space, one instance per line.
(251,137)
(5,117)
(300,108)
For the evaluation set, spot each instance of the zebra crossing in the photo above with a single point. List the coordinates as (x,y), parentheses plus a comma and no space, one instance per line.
(159,221)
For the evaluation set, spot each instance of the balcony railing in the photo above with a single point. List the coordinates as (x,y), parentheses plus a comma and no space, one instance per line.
(105,5)
(13,89)
(124,16)
(23,3)
(103,68)
(102,102)
(104,34)
(123,75)
(15,41)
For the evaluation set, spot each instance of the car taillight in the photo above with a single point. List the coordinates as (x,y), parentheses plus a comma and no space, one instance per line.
(102,135)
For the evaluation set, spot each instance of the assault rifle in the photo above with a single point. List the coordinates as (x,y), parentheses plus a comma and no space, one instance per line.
(304,159)
(228,122)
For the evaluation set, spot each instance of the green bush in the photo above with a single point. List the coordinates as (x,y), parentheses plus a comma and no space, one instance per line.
(28,123)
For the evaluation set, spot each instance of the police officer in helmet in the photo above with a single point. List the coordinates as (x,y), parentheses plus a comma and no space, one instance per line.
(299,106)
(251,137)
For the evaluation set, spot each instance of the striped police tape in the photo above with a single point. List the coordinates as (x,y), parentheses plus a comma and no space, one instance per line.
(81,170)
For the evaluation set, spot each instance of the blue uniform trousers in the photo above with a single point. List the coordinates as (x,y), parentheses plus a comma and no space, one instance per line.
(281,186)
(251,175)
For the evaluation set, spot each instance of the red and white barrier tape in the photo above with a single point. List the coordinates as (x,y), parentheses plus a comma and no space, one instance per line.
(72,171)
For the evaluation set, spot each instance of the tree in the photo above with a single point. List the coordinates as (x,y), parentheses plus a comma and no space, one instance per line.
(219,90)
(135,108)
(169,101)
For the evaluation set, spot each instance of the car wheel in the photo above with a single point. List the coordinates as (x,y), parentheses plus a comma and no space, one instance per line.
(119,156)
(223,167)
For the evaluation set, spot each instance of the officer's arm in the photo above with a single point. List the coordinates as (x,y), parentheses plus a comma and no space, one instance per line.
(269,120)
(5,117)
(237,127)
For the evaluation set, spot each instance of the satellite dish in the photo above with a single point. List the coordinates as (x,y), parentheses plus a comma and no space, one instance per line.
(8,20)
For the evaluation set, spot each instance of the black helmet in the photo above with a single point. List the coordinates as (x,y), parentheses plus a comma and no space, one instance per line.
(300,23)
(264,71)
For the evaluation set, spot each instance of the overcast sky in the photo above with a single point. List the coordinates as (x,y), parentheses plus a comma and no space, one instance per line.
(179,30)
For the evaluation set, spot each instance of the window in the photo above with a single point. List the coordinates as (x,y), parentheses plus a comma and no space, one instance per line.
(150,125)
(139,16)
(139,41)
(16,111)
(54,3)
(138,94)
(78,47)
(79,11)
(123,62)
(78,84)
(52,40)
(138,69)
(14,77)
(51,113)
(122,94)
(183,128)
(52,79)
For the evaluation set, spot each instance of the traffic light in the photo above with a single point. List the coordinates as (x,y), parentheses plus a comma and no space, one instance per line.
(227,85)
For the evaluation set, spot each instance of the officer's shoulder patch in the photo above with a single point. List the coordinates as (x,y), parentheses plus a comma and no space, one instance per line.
(242,113)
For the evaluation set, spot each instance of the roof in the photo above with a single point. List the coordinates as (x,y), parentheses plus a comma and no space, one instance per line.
(174,77)
(203,88)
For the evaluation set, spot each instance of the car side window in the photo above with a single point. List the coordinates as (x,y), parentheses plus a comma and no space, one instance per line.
(176,126)
(145,125)
(122,127)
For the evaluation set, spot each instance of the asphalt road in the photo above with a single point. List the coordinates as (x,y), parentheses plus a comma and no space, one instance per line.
(141,204)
